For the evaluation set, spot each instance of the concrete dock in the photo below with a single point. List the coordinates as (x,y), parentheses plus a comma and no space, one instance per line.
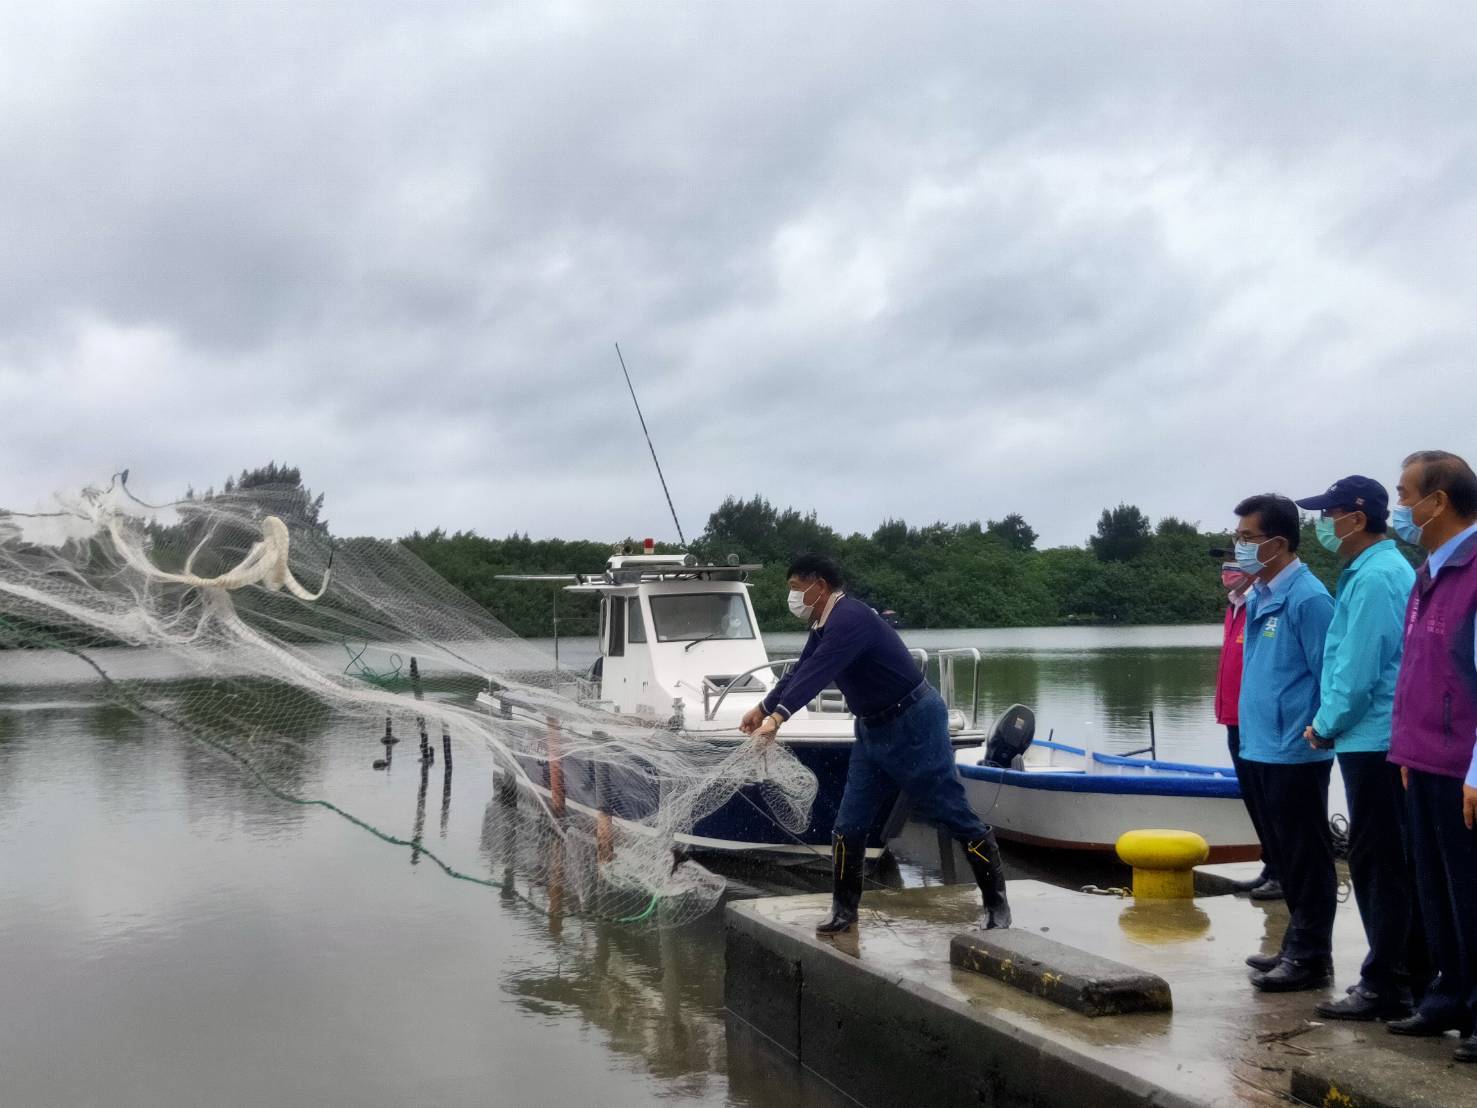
(888,1020)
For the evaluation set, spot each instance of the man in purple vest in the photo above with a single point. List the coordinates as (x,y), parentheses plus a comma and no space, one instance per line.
(1434,730)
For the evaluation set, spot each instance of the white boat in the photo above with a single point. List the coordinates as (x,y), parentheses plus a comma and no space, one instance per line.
(1068,798)
(680,647)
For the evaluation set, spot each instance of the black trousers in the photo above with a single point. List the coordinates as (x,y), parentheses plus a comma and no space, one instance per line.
(1380,870)
(1233,744)
(1292,803)
(1445,856)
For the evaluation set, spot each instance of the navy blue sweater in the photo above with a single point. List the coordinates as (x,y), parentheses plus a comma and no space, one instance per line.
(856,651)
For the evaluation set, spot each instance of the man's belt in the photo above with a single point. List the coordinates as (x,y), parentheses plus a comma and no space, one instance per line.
(892,711)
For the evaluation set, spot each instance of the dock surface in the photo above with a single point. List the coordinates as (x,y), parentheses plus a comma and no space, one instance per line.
(887,1019)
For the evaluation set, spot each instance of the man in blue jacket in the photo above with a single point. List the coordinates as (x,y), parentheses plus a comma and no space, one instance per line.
(1283,778)
(902,736)
(1361,660)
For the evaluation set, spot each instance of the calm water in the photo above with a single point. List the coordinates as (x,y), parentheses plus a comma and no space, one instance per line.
(169,934)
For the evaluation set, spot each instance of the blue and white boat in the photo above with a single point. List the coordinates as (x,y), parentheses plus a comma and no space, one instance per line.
(680,646)
(1067,798)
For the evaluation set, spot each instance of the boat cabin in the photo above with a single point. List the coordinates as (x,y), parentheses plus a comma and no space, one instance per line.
(675,635)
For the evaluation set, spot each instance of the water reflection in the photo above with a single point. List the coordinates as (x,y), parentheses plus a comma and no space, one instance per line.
(652,993)
(301,959)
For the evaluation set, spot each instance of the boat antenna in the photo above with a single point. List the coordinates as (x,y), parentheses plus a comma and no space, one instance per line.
(682,538)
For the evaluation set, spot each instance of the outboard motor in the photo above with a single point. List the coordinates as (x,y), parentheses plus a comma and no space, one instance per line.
(1012,734)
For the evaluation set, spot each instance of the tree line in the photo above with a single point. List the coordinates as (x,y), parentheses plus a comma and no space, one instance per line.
(1130,571)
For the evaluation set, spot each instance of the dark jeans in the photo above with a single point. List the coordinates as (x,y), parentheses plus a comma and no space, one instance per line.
(1233,744)
(1445,856)
(912,753)
(1292,803)
(1379,868)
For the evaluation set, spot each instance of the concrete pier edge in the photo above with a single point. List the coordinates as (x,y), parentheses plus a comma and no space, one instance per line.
(1376,1076)
(886,1040)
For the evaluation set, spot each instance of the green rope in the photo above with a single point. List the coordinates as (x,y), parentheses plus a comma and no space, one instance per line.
(141,706)
(356,667)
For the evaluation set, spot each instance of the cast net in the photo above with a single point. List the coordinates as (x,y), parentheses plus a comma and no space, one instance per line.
(317,666)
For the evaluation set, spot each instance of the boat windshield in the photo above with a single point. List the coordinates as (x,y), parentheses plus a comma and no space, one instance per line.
(700,615)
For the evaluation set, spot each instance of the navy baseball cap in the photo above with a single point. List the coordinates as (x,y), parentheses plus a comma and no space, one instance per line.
(1352,494)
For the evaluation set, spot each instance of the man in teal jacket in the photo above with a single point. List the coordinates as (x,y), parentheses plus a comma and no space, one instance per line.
(1283,778)
(1361,660)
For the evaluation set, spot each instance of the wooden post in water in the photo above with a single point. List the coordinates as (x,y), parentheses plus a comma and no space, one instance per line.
(604,823)
(556,844)
(556,768)
(445,778)
(419,830)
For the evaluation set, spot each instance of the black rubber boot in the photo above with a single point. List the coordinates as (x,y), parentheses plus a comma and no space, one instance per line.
(989,874)
(848,857)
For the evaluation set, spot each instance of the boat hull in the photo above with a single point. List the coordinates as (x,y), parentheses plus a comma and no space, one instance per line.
(1079,811)
(744,823)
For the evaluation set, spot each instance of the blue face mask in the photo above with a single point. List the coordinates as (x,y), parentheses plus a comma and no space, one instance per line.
(1402,519)
(1247,559)
(1328,534)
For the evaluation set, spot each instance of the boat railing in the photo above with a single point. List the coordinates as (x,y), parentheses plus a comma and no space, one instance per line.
(822,702)
(711,705)
(948,658)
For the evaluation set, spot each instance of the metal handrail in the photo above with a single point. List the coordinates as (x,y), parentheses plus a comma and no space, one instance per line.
(946,677)
(709,713)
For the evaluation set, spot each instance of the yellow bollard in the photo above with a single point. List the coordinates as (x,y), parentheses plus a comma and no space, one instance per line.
(1163,862)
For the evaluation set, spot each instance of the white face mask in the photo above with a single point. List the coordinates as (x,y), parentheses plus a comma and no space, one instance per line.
(798,608)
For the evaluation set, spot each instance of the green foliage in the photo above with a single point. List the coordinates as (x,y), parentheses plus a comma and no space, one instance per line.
(1013,531)
(1172,525)
(1122,534)
(938,575)
(473,563)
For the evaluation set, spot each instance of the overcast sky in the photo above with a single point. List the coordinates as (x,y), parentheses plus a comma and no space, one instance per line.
(939,261)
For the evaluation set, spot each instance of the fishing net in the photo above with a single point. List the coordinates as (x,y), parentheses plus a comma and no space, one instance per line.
(317,667)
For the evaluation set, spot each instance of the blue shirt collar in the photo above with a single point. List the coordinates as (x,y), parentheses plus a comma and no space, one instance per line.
(1442,554)
(1279,583)
(1384,546)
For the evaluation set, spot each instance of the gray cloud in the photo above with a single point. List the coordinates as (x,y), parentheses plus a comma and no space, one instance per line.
(944,264)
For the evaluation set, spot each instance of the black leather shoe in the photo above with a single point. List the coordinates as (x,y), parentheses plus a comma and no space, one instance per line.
(1269,890)
(1263,963)
(1422,1026)
(1363,1005)
(1467,1052)
(1292,977)
(1247,886)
